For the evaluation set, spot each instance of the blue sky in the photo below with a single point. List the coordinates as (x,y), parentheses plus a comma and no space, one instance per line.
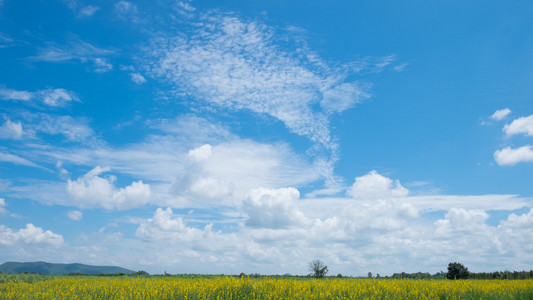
(256,136)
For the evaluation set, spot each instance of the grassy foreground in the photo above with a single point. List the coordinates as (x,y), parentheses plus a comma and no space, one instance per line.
(173,287)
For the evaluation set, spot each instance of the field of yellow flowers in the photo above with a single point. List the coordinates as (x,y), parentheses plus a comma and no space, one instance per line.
(171,287)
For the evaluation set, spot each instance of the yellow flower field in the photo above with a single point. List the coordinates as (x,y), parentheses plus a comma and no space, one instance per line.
(171,287)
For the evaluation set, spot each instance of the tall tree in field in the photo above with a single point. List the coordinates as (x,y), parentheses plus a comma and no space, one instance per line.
(457,271)
(317,268)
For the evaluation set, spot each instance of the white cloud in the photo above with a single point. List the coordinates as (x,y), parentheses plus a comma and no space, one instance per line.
(127,11)
(101,65)
(516,234)
(73,129)
(462,220)
(400,67)
(223,174)
(9,94)
(57,97)
(511,156)
(125,7)
(182,169)
(374,185)
(88,10)
(163,227)
(75,215)
(6,157)
(383,62)
(91,190)
(50,96)
(82,10)
(500,114)
(273,208)
(137,78)
(225,62)
(524,221)
(75,50)
(523,125)
(2,206)
(201,153)
(11,130)
(234,64)
(31,235)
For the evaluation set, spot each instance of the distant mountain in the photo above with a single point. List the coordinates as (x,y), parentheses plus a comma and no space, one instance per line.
(50,268)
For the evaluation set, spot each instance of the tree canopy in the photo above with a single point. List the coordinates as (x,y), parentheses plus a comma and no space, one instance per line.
(457,271)
(317,268)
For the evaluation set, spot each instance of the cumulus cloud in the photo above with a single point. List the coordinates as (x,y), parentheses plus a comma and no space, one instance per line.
(163,227)
(524,221)
(273,208)
(511,156)
(461,220)
(201,153)
(374,185)
(500,114)
(31,235)
(223,174)
(75,215)
(58,97)
(90,190)
(523,125)
(11,130)
(137,78)
(199,184)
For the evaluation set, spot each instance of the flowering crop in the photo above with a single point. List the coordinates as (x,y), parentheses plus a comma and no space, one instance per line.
(171,287)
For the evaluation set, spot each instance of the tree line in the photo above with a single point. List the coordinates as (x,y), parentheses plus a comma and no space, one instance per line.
(459,271)
(455,271)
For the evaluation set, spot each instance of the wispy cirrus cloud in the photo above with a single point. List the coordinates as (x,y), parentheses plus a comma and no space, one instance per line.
(80,8)
(225,62)
(50,96)
(76,50)
(127,11)
(14,159)
(72,129)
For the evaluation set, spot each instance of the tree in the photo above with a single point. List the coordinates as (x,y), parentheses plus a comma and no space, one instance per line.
(457,271)
(141,272)
(317,268)
(369,274)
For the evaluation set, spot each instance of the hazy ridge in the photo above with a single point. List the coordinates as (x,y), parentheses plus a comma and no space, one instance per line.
(54,268)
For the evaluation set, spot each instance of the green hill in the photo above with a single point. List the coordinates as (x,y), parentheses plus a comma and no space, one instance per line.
(50,268)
